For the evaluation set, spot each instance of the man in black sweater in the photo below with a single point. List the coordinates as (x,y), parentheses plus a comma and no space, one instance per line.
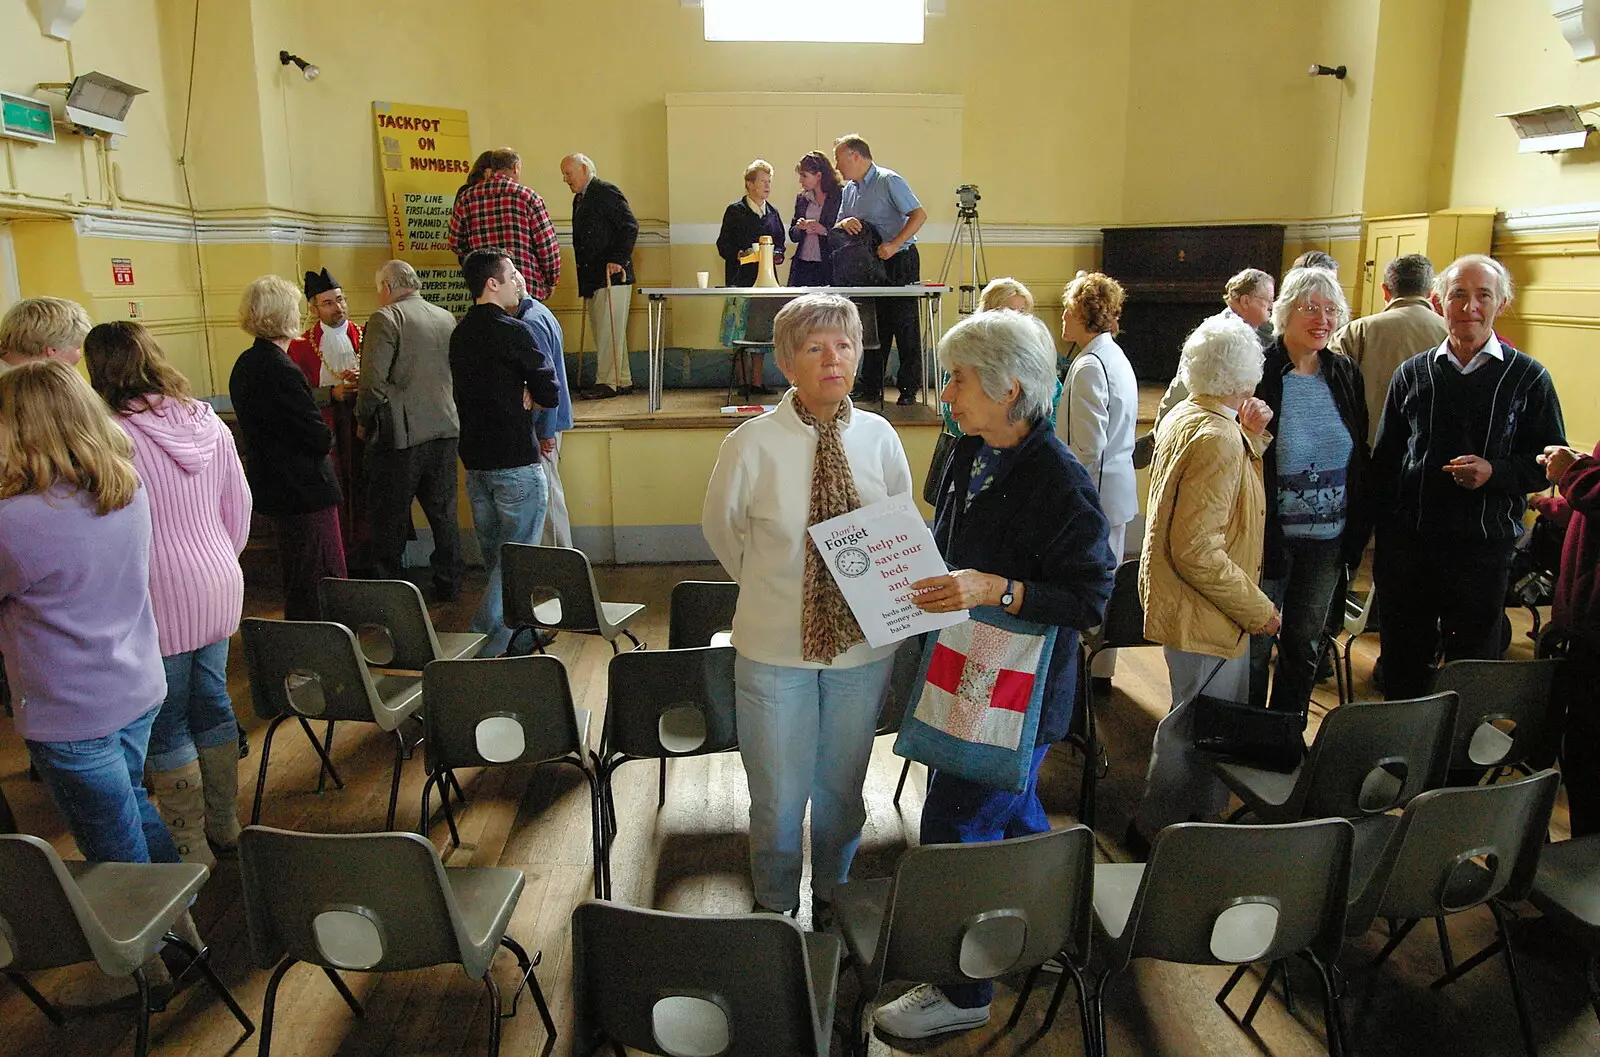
(498,375)
(1453,465)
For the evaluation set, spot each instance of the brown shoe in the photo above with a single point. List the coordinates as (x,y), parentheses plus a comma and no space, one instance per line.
(599,392)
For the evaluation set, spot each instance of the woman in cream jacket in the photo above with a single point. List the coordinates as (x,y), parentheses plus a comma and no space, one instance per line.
(1202,558)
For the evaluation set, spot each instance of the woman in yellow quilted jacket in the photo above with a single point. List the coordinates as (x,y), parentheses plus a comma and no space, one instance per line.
(1202,559)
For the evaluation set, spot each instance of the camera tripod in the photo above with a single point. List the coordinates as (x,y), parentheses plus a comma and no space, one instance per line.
(967,234)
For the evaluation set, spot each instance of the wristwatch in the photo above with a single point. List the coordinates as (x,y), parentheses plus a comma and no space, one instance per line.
(1010,595)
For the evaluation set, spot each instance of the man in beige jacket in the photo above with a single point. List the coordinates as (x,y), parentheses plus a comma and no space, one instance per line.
(1381,342)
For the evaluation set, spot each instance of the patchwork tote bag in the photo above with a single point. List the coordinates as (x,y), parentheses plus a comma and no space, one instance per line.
(977,710)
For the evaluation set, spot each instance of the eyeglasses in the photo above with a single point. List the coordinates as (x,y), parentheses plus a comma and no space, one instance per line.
(1311,311)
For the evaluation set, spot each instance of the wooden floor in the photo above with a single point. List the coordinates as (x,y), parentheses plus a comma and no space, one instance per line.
(691,856)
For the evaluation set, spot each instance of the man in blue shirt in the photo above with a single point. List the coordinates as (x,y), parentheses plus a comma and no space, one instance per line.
(881,197)
(550,422)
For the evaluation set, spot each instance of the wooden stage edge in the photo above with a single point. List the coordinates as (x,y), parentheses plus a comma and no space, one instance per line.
(701,409)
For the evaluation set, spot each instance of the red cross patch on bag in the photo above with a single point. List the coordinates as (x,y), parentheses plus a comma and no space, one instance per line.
(980,681)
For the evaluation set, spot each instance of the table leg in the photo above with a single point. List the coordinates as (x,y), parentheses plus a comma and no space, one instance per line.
(654,312)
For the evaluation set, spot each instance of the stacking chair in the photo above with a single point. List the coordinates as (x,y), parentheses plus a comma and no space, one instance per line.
(757,338)
(1491,693)
(378,903)
(312,669)
(662,704)
(900,697)
(115,914)
(391,624)
(958,913)
(503,711)
(1122,629)
(560,577)
(1230,895)
(1567,890)
(700,612)
(1452,850)
(1366,759)
(689,985)
(1360,617)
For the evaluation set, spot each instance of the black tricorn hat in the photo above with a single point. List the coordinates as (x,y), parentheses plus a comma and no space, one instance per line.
(319,283)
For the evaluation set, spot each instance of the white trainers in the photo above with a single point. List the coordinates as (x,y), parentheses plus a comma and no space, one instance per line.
(924,1011)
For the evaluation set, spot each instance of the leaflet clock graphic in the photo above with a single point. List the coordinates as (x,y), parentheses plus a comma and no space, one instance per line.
(852,562)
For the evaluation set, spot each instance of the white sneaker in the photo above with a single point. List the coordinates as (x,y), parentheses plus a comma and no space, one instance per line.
(924,1011)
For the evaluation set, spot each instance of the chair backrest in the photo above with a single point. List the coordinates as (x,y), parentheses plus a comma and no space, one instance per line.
(758,321)
(373,902)
(964,912)
(699,610)
(552,587)
(692,985)
(1219,894)
(868,310)
(491,711)
(904,684)
(670,703)
(1359,610)
(1124,623)
(41,910)
(389,618)
(1503,711)
(1369,758)
(311,668)
(1457,848)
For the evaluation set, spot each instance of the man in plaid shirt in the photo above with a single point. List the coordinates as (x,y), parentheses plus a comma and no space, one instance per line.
(494,210)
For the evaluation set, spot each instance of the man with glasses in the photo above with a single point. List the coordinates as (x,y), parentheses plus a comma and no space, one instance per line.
(1381,342)
(1457,454)
(1248,296)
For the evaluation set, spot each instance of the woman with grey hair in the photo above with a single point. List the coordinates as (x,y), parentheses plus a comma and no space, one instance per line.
(808,685)
(1314,474)
(1202,558)
(1020,525)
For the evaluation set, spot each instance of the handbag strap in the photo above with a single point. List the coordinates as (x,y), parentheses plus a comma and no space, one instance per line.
(1099,484)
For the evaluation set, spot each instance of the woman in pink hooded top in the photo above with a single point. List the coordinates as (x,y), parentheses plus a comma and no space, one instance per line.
(200,513)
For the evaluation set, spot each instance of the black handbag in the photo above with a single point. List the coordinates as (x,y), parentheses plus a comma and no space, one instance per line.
(943,448)
(1270,739)
(854,258)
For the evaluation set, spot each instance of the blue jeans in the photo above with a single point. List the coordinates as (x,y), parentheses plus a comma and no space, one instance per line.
(97,784)
(507,507)
(805,734)
(957,811)
(1302,594)
(197,713)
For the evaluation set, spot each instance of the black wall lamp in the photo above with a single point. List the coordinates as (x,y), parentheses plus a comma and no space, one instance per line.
(1319,70)
(311,72)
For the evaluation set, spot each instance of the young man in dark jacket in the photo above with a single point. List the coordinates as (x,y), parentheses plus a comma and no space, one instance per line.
(499,375)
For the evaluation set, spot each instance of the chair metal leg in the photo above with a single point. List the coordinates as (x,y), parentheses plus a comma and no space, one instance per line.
(141,1033)
(1098,1002)
(1396,938)
(1332,1015)
(1273,971)
(1591,976)
(905,769)
(344,992)
(1070,969)
(261,771)
(1524,1018)
(1091,755)
(494,1013)
(425,812)
(532,981)
(1221,998)
(455,786)
(661,786)
(394,781)
(325,750)
(1445,950)
(200,958)
(269,1005)
(36,998)
(860,1029)
(1022,996)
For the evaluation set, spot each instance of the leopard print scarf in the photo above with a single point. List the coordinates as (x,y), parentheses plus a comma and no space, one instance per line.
(827,627)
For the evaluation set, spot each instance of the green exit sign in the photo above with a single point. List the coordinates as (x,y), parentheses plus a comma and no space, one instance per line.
(25,118)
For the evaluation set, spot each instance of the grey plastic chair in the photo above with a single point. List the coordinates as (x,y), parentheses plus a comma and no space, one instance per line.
(690,985)
(553,587)
(1122,629)
(115,914)
(1567,890)
(392,625)
(379,903)
(1452,850)
(1366,759)
(662,704)
(1230,895)
(757,338)
(957,913)
(1360,618)
(503,711)
(313,669)
(900,697)
(701,610)
(1490,693)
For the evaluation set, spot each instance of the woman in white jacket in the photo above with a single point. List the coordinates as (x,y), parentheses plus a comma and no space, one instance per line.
(808,685)
(1099,408)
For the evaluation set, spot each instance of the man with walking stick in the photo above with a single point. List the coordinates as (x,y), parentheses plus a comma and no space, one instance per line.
(603,233)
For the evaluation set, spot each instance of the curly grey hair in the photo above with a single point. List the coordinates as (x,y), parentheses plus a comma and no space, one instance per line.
(1298,286)
(1006,347)
(807,314)
(1502,278)
(1221,357)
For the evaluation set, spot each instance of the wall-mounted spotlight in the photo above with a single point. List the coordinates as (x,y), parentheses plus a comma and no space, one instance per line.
(310,72)
(1319,70)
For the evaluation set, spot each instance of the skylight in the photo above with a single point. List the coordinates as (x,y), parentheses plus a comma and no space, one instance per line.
(820,21)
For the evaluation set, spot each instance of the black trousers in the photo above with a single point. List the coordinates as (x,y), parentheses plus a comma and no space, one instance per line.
(1578,689)
(1433,590)
(899,321)
(426,472)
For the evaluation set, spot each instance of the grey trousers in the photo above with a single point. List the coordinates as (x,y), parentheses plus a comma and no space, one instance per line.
(557,524)
(1179,783)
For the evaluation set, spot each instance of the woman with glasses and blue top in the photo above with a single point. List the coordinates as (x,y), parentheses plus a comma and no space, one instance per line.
(1313,472)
